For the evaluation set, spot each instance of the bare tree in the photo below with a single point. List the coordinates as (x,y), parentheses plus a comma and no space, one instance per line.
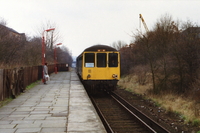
(32,52)
(163,35)
(118,45)
(64,56)
(172,54)
(3,21)
(52,37)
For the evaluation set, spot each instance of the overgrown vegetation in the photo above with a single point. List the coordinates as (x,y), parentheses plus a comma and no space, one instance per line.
(163,64)
(19,50)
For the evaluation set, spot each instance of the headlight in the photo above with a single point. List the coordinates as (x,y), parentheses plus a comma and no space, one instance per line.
(115,76)
(88,76)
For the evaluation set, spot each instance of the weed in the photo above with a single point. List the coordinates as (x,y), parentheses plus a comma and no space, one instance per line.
(6,101)
(183,117)
(157,104)
(129,90)
(196,122)
(177,113)
(32,85)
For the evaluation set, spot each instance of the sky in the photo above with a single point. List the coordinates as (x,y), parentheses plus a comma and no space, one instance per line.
(83,23)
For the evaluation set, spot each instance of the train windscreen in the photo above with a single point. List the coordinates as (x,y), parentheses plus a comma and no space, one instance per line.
(89,59)
(113,60)
(101,59)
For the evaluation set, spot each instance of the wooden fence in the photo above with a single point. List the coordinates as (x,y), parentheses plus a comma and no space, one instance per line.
(14,81)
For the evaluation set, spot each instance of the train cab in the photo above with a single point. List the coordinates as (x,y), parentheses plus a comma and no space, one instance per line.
(99,65)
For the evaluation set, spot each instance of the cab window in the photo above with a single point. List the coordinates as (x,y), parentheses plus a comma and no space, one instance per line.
(101,59)
(89,59)
(113,60)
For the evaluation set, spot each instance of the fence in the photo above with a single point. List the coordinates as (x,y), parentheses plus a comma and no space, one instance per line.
(14,81)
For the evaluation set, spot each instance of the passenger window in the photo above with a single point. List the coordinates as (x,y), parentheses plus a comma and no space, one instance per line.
(113,60)
(89,59)
(101,59)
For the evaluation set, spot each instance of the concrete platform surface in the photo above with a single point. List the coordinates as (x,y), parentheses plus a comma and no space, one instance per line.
(61,106)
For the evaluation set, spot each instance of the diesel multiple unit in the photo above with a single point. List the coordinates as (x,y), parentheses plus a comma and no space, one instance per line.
(99,67)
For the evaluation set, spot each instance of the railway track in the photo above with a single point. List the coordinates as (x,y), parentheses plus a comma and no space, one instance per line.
(118,116)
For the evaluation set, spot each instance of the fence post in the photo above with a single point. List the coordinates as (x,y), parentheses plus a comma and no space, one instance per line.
(1,85)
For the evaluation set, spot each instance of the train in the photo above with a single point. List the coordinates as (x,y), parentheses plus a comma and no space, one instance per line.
(98,67)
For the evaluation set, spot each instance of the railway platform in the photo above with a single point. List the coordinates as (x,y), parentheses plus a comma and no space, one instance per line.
(60,106)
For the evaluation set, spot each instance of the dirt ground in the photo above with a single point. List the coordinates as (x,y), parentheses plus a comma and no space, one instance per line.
(169,120)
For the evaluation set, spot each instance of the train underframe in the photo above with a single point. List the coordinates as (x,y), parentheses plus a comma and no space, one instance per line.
(95,86)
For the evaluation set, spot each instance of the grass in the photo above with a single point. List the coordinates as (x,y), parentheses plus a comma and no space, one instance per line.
(183,107)
(4,102)
(32,85)
(178,105)
(131,83)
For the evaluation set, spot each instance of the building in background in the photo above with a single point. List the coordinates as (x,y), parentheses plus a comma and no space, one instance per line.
(7,33)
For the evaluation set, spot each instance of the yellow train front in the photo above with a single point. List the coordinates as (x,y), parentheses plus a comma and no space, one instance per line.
(99,68)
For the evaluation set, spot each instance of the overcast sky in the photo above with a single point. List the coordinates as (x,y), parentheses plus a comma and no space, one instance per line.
(83,23)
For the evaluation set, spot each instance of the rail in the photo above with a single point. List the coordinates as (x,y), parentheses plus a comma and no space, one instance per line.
(103,119)
(142,118)
(147,123)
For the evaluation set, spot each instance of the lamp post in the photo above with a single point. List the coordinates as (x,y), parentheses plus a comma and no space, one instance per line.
(55,58)
(43,51)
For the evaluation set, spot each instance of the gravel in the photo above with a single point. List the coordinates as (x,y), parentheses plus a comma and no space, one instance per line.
(171,121)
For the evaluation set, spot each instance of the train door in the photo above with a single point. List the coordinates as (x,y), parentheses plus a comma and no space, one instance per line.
(88,66)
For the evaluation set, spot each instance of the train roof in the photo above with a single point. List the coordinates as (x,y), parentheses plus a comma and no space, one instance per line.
(99,46)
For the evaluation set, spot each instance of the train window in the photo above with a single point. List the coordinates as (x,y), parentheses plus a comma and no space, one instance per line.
(113,60)
(101,59)
(89,59)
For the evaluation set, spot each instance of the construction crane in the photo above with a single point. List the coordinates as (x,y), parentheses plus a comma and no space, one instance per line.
(142,19)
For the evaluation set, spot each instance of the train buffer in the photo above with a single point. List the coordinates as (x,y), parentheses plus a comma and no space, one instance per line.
(60,106)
